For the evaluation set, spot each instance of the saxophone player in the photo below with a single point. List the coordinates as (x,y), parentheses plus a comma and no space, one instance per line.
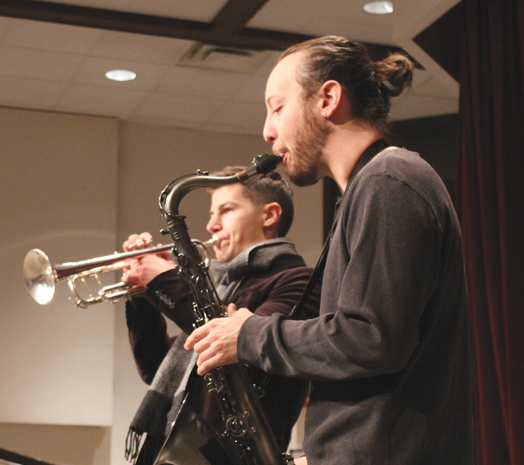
(257,267)
(389,356)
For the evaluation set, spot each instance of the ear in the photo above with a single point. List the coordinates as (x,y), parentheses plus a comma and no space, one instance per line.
(330,95)
(272,212)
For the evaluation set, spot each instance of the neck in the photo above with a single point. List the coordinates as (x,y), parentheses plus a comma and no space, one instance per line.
(345,146)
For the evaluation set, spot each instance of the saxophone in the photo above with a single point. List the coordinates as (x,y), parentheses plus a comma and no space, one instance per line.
(246,437)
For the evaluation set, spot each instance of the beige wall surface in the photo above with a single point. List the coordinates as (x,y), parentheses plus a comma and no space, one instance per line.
(59,444)
(56,362)
(76,188)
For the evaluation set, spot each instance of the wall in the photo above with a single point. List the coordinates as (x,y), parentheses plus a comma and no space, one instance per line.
(56,362)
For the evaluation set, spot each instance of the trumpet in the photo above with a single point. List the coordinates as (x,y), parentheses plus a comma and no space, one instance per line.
(41,276)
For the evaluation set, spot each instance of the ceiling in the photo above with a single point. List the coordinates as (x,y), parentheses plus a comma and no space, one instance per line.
(54,55)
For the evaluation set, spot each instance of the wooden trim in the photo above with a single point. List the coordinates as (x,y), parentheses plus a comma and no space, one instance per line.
(19,459)
(235,15)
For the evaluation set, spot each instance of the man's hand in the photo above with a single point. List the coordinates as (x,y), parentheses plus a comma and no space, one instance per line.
(301,461)
(140,271)
(216,341)
(144,269)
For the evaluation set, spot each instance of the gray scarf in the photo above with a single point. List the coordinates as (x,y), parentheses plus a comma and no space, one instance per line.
(164,398)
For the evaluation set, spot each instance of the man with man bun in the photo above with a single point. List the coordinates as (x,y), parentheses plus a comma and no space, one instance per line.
(389,355)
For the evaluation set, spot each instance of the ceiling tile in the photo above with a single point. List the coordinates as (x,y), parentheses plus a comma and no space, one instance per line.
(241,114)
(419,107)
(270,64)
(420,77)
(30,93)
(139,47)
(93,72)
(202,82)
(253,91)
(175,107)
(196,10)
(327,17)
(40,64)
(342,10)
(48,36)
(39,60)
(372,33)
(100,100)
(275,15)
(432,87)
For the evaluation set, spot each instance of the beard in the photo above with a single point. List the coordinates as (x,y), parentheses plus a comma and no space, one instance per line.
(309,143)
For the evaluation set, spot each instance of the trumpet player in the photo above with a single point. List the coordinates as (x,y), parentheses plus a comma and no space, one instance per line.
(255,267)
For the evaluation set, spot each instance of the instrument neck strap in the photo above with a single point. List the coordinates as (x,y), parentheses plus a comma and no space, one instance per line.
(375,148)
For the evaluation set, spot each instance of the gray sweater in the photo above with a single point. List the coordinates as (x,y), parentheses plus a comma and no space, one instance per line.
(389,356)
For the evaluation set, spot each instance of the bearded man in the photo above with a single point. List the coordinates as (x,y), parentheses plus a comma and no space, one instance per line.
(389,356)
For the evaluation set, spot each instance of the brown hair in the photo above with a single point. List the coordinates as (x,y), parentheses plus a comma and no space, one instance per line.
(261,190)
(370,85)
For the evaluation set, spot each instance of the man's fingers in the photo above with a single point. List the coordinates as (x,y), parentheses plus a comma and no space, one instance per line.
(197,335)
(130,244)
(208,360)
(137,242)
(208,365)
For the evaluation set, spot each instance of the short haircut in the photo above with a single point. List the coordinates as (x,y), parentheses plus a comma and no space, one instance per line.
(369,84)
(261,190)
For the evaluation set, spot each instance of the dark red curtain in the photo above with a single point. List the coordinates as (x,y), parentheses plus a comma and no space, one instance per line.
(491,209)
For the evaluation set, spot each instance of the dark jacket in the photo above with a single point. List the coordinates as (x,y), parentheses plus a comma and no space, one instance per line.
(276,290)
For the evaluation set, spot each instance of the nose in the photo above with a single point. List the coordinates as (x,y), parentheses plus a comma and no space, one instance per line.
(269,131)
(213,225)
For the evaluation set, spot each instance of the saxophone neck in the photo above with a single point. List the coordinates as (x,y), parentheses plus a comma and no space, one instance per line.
(174,193)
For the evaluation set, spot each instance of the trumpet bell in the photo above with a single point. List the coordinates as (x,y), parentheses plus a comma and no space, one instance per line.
(39,276)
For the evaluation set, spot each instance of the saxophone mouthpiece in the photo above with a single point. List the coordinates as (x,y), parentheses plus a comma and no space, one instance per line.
(262,164)
(266,163)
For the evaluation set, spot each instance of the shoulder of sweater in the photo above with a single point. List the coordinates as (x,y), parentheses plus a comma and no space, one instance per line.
(407,167)
(287,261)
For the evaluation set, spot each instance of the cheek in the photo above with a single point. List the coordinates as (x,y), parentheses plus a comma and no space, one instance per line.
(245,228)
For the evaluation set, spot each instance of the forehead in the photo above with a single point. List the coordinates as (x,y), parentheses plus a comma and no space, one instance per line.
(229,194)
(282,79)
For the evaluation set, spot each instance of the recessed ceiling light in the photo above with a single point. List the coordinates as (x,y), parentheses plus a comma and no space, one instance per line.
(379,8)
(120,75)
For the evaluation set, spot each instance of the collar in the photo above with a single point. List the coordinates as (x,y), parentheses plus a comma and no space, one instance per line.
(258,257)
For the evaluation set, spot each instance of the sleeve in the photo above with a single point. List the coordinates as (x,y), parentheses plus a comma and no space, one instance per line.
(285,293)
(371,307)
(166,295)
(170,295)
(147,335)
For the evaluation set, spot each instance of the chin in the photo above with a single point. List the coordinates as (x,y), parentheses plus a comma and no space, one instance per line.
(224,258)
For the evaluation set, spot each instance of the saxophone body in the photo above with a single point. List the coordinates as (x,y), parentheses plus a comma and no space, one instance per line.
(245,438)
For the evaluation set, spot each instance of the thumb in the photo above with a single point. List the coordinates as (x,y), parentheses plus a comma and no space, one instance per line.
(231,309)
